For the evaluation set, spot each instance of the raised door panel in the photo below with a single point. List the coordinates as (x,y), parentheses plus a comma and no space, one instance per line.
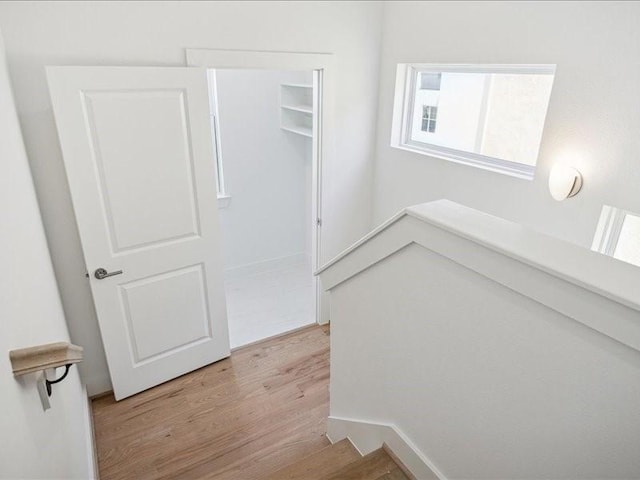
(166,313)
(145,168)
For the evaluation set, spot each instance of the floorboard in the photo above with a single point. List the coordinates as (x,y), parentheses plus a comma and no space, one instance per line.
(241,418)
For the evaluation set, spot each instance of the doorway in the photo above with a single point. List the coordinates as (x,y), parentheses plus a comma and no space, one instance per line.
(263,133)
(323,127)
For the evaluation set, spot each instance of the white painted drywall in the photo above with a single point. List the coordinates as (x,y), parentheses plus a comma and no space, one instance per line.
(481,355)
(33,443)
(264,169)
(595,46)
(157,33)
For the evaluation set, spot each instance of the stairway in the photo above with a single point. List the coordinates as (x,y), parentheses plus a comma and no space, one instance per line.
(341,461)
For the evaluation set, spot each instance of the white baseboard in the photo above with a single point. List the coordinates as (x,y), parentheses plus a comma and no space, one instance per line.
(266,265)
(369,436)
(92,453)
(98,384)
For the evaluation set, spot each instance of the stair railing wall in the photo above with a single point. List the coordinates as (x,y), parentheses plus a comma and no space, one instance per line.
(490,350)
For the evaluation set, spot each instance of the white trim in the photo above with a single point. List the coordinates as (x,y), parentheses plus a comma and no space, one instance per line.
(533,69)
(92,451)
(609,229)
(322,125)
(491,164)
(322,65)
(98,384)
(367,436)
(406,75)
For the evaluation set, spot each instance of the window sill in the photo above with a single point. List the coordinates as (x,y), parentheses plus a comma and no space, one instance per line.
(223,201)
(525,172)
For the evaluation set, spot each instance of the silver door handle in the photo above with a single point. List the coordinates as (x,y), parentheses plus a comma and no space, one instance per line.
(102,273)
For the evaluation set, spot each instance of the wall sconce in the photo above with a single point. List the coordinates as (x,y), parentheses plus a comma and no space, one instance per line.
(564,182)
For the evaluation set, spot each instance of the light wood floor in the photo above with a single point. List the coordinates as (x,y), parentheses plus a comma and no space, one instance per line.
(241,418)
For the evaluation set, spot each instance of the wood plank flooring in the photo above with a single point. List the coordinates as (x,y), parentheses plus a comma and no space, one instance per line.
(319,465)
(378,465)
(241,418)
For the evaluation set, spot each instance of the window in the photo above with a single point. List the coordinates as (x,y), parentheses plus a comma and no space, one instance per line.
(487,116)
(430,81)
(618,235)
(429,114)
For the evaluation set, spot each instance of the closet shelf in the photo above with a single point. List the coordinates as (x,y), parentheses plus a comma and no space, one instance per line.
(296,108)
(307,132)
(299,108)
(297,85)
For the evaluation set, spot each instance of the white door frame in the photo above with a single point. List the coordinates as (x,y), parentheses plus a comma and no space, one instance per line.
(322,66)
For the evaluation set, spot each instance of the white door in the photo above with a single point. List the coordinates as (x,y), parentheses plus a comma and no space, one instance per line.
(138,153)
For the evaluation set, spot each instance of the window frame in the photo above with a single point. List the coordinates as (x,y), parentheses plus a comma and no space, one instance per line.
(609,228)
(407,84)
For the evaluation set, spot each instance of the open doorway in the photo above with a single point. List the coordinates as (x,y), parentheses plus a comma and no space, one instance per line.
(263,133)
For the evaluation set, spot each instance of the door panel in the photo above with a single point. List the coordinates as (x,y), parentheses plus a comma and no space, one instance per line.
(138,153)
(145,202)
(152,305)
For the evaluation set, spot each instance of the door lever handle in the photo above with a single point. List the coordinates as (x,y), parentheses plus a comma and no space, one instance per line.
(101,273)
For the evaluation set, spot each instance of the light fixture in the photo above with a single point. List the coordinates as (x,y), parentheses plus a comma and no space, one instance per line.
(564,182)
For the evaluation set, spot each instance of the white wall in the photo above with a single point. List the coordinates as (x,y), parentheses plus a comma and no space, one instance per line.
(595,46)
(491,385)
(265,169)
(33,443)
(157,33)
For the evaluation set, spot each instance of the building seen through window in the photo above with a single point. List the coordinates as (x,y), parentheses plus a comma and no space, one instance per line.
(429,116)
(430,81)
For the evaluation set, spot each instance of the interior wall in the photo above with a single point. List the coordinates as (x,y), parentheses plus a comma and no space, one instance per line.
(264,169)
(35,443)
(592,121)
(157,33)
(484,381)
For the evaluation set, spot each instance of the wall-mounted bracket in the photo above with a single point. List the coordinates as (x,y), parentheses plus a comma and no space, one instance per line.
(48,382)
